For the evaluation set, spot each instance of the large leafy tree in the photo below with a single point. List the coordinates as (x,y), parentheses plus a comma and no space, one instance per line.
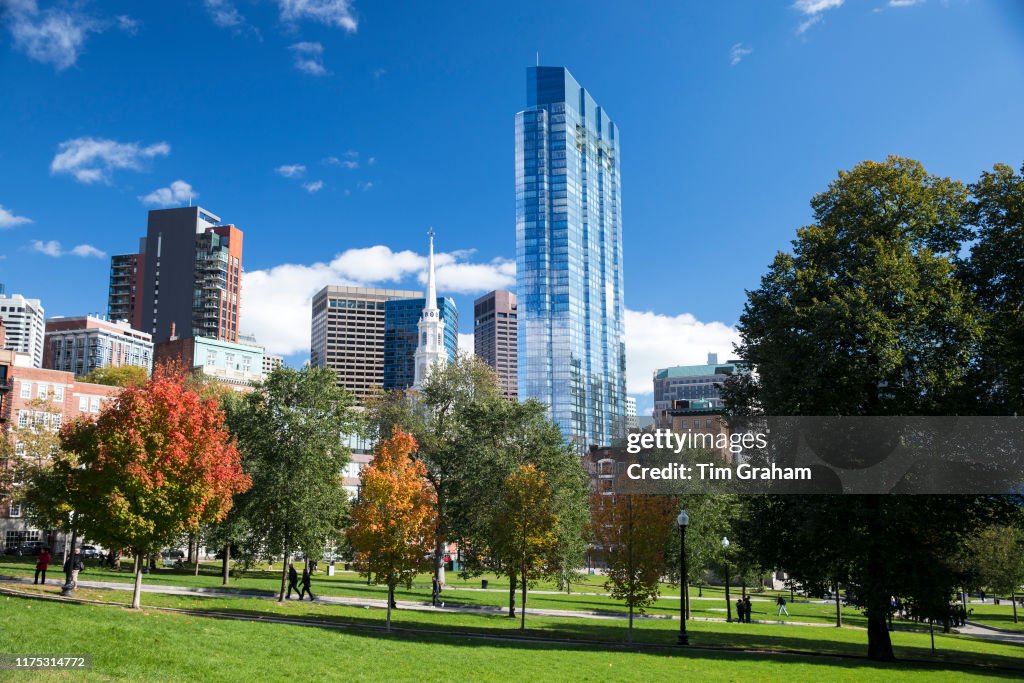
(292,432)
(157,463)
(867,316)
(394,521)
(633,530)
(996,274)
(996,558)
(122,376)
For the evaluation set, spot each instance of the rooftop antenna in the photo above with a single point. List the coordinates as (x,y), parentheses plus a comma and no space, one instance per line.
(538,57)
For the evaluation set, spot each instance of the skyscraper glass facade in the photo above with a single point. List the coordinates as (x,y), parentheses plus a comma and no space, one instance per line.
(569,258)
(401,320)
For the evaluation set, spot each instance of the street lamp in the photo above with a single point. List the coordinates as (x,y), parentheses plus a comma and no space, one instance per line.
(683,520)
(725,563)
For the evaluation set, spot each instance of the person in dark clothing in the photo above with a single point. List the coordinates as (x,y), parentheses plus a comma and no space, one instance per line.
(435,592)
(740,610)
(74,565)
(42,564)
(293,581)
(307,577)
(747,608)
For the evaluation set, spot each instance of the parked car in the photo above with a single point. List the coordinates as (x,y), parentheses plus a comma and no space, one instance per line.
(91,552)
(29,548)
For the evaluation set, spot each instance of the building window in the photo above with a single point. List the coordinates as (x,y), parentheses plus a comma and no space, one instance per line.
(94,405)
(43,391)
(83,404)
(58,394)
(15,510)
(26,389)
(22,419)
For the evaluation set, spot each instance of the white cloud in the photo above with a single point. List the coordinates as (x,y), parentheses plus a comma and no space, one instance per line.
(309,58)
(350,161)
(53,248)
(9,220)
(314,186)
(92,160)
(291,170)
(178,192)
(738,52)
(276,301)
(813,10)
(127,24)
(656,341)
(336,13)
(466,343)
(224,13)
(54,36)
(365,185)
(905,3)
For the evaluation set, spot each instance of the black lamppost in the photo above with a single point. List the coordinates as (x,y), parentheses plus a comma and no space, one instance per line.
(683,520)
(725,563)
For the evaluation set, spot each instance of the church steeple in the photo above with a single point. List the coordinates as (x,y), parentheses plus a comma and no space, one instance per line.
(430,350)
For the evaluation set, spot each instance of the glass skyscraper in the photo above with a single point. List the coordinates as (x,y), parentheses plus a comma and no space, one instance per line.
(401,318)
(569,258)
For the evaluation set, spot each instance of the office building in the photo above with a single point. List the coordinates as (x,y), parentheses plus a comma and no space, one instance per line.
(124,295)
(235,365)
(630,407)
(401,337)
(692,382)
(270,362)
(347,335)
(571,341)
(25,326)
(82,344)
(187,274)
(495,330)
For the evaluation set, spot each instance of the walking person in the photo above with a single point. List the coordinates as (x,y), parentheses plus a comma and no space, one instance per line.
(74,565)
(781,602)
(741,608)
(41,564)
(747,607)
(306,579)
(293,581)
(435,592)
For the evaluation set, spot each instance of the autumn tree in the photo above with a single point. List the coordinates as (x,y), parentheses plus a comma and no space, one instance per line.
(633,530)
(523,531)
(394,521)
(292,430)
(157,463)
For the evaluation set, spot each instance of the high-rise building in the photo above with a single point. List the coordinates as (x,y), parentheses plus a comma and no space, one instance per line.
(347,335)
(124,297)
(82,344)
(401,337)
(631,421)
(495,330)
(692,382)
(187,274)
(430,350)
(25,326)
(569,258)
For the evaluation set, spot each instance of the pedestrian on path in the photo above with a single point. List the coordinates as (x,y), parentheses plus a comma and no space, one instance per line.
(435,592)
(293,581)
(740,609)
(42,564)
(747,607)
(781,602)
(74,565)
(306,579)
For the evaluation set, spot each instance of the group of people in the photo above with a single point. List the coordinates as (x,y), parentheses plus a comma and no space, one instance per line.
(743,609)
(72,564)
(293,580)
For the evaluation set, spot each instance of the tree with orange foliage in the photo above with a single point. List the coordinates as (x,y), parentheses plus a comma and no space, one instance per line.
(394,523)
(157,463)
(634,530)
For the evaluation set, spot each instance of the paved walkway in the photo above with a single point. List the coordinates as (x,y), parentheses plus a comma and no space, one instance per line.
(402,604)
(992,633)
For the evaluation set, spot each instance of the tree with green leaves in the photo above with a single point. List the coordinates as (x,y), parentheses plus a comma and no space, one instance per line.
(118,376)
(292,432)
(869,315)
(633,530)
(996,558)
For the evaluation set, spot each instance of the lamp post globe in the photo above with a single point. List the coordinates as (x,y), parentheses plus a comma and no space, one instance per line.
(683,520)
(725,564)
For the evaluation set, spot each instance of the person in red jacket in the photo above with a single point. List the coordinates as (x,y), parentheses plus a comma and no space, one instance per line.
(42,564)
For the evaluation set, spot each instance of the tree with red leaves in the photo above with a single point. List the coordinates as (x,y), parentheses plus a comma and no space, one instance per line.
(157,463)
(394,524)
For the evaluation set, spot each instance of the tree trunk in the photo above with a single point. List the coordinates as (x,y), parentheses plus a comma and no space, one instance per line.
(284,576)
(439,561)
(1013,599)
(391,597)
(226,565)
(522,612)
(137,590)
(879,641)
(629,633)
(191,541)
(512,595)
(839,609)
(197,555)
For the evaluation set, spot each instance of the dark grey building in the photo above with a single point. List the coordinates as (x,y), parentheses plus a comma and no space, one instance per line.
(495,331)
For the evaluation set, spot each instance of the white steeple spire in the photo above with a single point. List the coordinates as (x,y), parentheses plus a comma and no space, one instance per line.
(430,350)
(431,286)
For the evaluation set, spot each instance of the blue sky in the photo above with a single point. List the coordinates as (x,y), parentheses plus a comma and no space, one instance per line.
(334,133)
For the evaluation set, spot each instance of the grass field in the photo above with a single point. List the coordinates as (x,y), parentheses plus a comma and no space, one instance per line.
(147,644)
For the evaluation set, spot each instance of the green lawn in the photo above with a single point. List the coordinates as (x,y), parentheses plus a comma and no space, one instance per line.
(1000,616)
(350,584)
(951,648)
(129,645)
